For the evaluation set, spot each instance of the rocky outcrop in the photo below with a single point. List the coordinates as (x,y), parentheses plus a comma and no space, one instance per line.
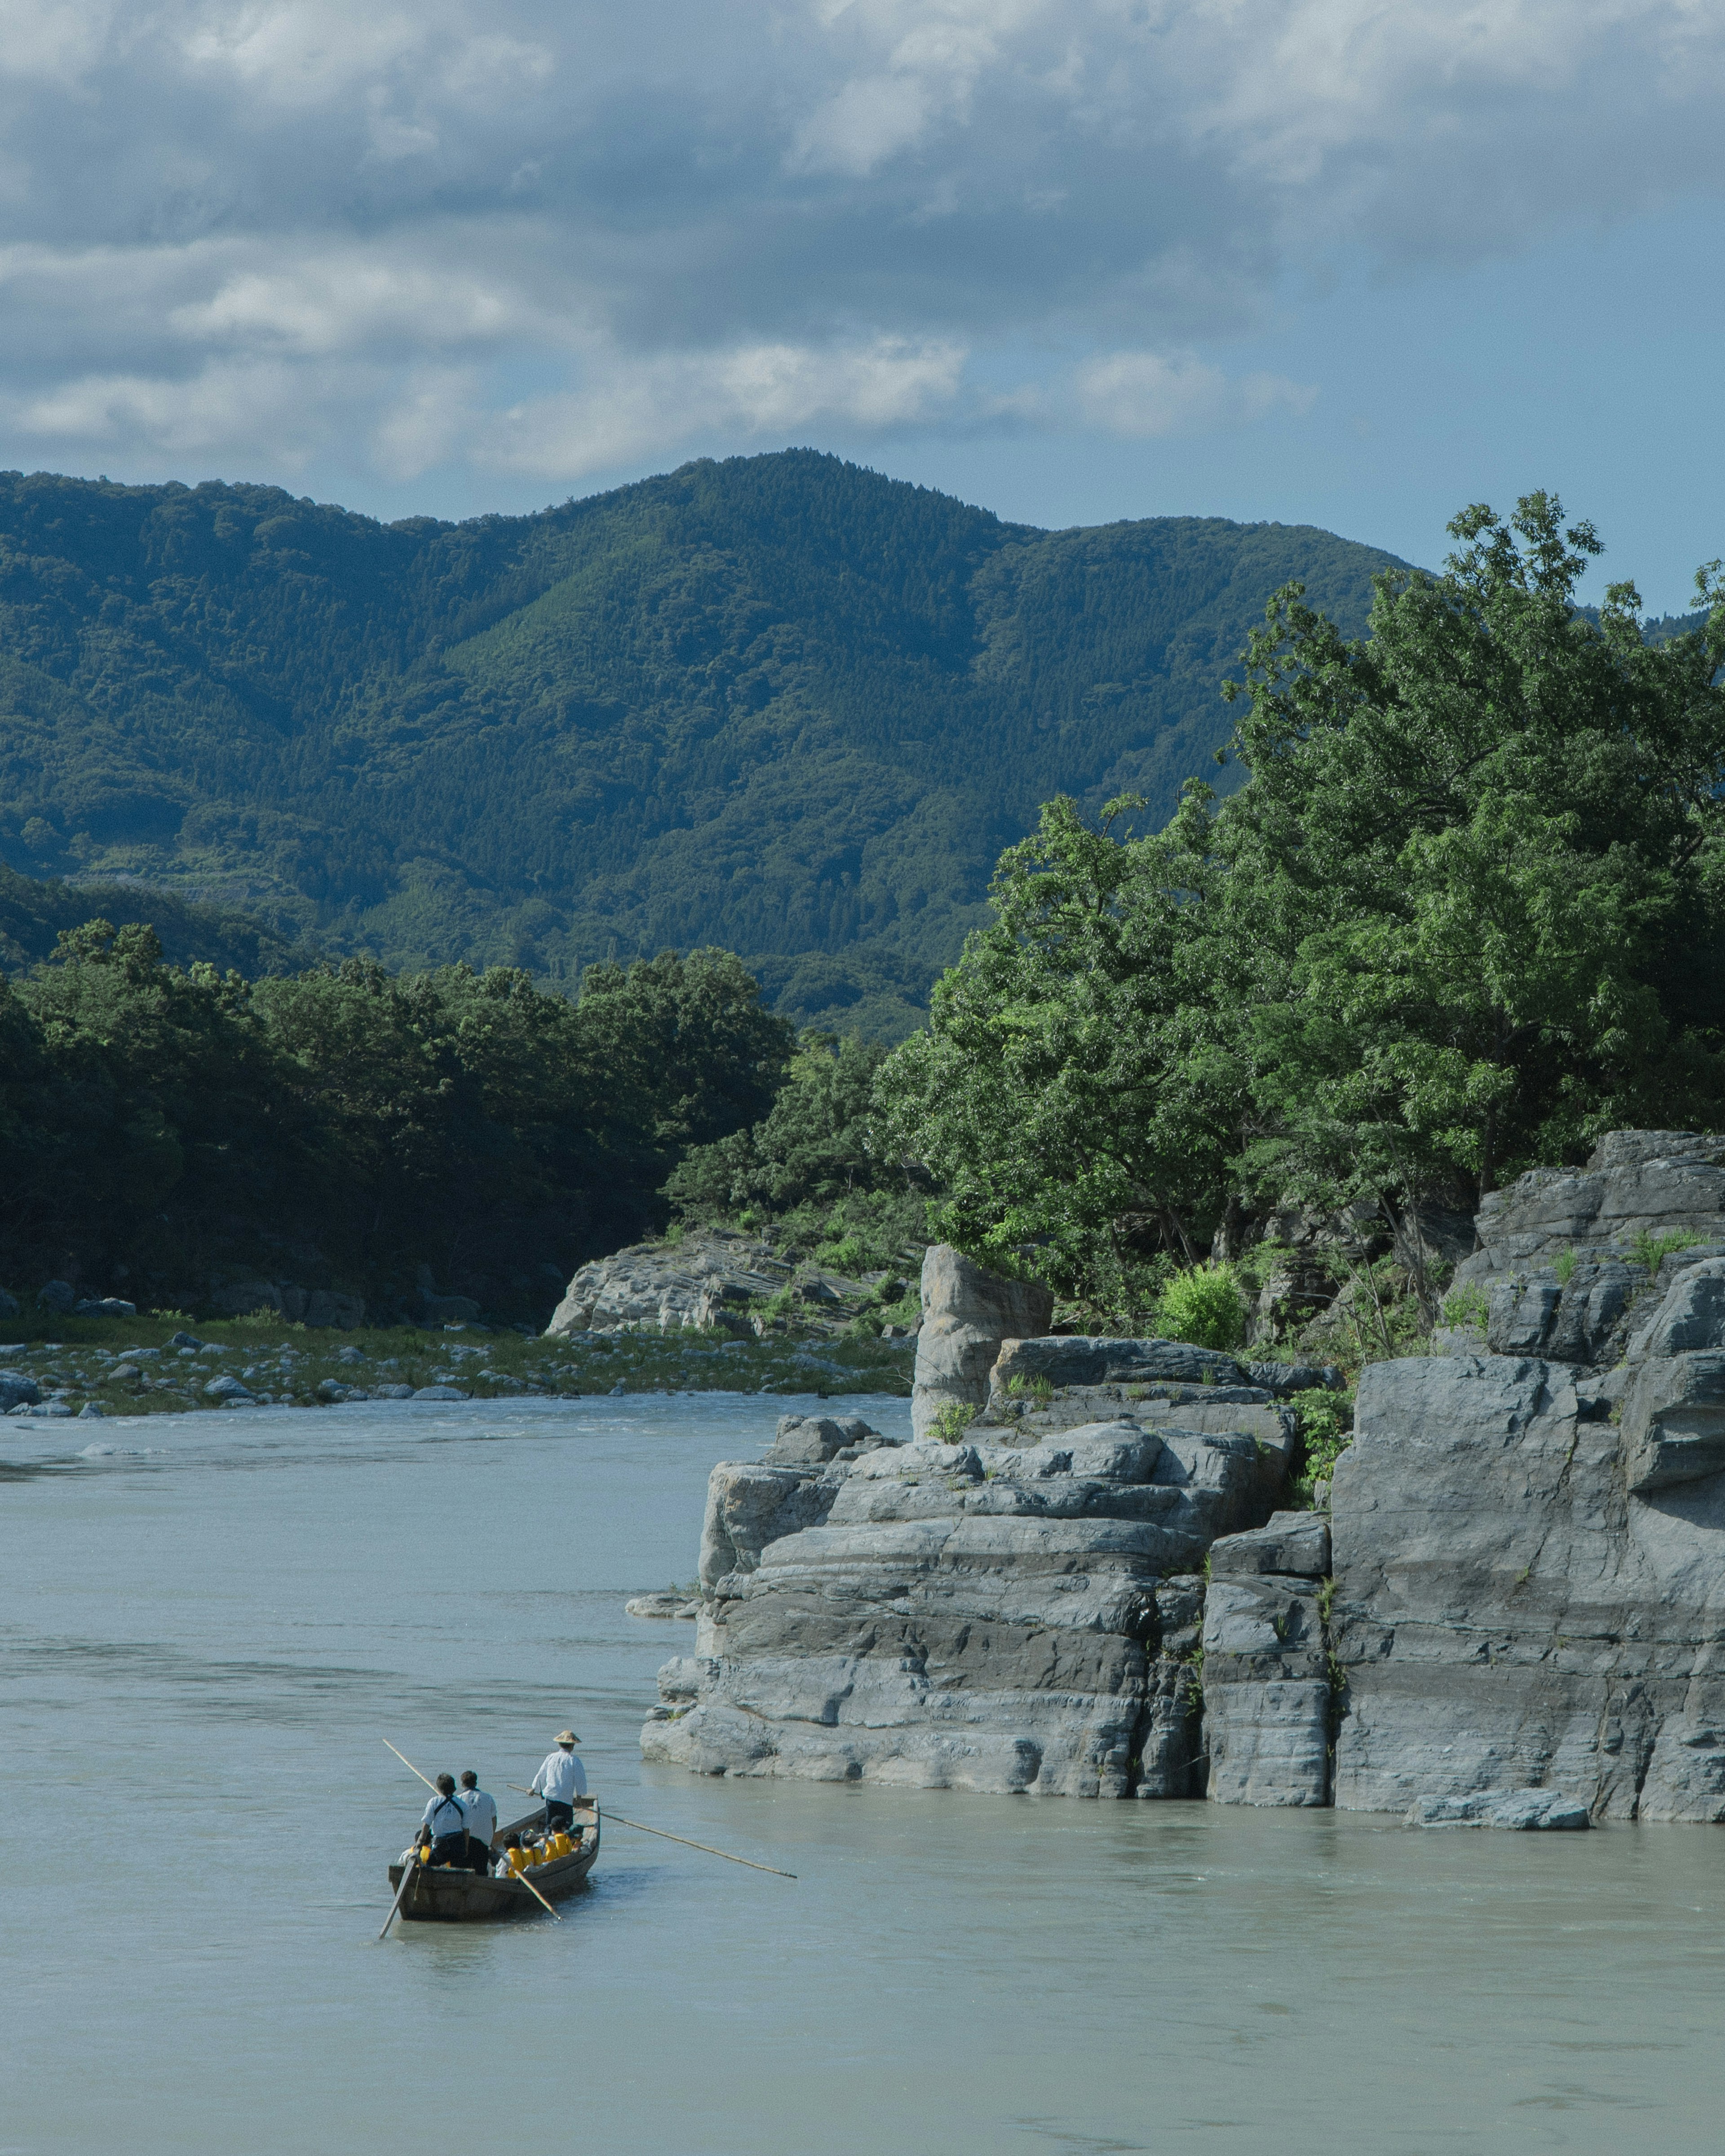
(316,1306)
(967,1313)
(1635,1184)
(1520,1811)
(1020,1610)
(1530,1575)
(713,1279)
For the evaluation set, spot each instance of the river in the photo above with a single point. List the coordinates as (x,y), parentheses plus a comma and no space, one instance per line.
(210,1622)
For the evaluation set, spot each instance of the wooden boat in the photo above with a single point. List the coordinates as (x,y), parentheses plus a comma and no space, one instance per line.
(443,1896)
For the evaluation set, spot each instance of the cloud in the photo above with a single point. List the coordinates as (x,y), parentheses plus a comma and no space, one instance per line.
(1144,394)
(626,410)
(559,237)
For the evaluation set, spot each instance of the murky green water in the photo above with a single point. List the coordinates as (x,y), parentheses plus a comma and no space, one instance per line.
(205,1640)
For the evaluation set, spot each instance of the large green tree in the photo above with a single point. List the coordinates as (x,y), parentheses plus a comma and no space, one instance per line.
(1465,913)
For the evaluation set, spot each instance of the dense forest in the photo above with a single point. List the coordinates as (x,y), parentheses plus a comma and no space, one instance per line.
(170,1133)
(779,703)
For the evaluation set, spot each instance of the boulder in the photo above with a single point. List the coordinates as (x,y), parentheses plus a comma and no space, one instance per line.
(328,1307)
(1520,1811)
(106,1306)
(967,1314)
(10,1306)
(1007,1618)
(436,1392)
(433,1310)
(226,1388)
(245,1297)
(57,1296)
(1690,1314)
(1295,1543)
(1573,1320)
(1674,1421)
(18,1391)
(708,1279)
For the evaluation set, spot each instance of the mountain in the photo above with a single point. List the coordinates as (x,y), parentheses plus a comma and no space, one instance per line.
(779,703)
(34,911)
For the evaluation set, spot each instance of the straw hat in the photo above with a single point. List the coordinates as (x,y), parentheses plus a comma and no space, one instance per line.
(567,1737)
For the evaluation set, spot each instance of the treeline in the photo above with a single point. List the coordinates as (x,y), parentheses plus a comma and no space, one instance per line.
(166,1130)
(1466,914)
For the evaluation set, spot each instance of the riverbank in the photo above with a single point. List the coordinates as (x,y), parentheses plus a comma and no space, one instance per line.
(166,1364)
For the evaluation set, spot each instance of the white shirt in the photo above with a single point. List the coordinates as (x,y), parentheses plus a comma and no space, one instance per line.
(444,1815)
(562,1778)
(481,1812)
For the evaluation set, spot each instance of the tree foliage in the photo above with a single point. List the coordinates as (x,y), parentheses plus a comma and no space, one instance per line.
(1465,915)
(167,1129)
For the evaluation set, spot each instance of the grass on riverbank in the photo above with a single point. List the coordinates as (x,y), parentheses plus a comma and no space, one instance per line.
(80,1360)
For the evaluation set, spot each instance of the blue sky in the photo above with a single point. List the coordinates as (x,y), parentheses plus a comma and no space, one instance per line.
(1325,261)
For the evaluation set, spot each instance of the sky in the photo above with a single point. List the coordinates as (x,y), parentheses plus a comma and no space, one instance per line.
(1353,262)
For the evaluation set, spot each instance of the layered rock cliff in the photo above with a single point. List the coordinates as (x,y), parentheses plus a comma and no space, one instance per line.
(1015,1610)
(1514,1615)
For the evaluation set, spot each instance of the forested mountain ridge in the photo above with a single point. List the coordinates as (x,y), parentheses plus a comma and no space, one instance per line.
(779,704)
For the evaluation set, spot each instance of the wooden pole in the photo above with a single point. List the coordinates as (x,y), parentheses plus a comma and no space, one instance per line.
(706,1847)
(410,1767)
(408,1870)
(535,1892)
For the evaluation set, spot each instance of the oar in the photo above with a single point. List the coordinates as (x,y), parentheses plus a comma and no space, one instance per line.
(704,1845)
(408,1870)
(431,1785)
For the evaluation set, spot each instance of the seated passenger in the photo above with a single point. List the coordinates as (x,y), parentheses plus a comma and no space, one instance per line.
(503,1868)
(445,1824)
(481,1812)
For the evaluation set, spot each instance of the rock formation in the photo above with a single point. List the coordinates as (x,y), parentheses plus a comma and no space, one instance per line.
(1514,1615)
(711,1279)
(1017,1611)
(967,1314)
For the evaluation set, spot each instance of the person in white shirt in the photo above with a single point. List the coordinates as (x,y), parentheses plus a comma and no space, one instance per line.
(481,1812)
(446,1824)
(560,1781)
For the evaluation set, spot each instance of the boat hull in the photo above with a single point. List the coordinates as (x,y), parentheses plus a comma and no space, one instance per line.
(444,1897)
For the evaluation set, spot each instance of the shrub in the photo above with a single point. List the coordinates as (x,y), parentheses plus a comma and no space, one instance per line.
(1651,1250)
(1204,1308)
(951,1422)
(1324,1430)
(1466,1306)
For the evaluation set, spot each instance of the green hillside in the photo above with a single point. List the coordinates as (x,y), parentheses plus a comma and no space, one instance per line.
(779,703)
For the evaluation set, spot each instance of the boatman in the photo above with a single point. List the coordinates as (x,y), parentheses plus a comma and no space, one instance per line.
(560,1781)
(481,1812)
(446,1823)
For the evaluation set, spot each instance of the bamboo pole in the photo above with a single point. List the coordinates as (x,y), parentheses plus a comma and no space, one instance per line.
(408,1870)
(705,1846)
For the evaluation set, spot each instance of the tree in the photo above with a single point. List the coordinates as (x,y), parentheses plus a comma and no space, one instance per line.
(1477,852)
(1465,915)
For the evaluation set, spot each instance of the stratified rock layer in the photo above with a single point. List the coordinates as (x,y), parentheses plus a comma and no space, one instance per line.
(1529,1592)
(984,1615)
